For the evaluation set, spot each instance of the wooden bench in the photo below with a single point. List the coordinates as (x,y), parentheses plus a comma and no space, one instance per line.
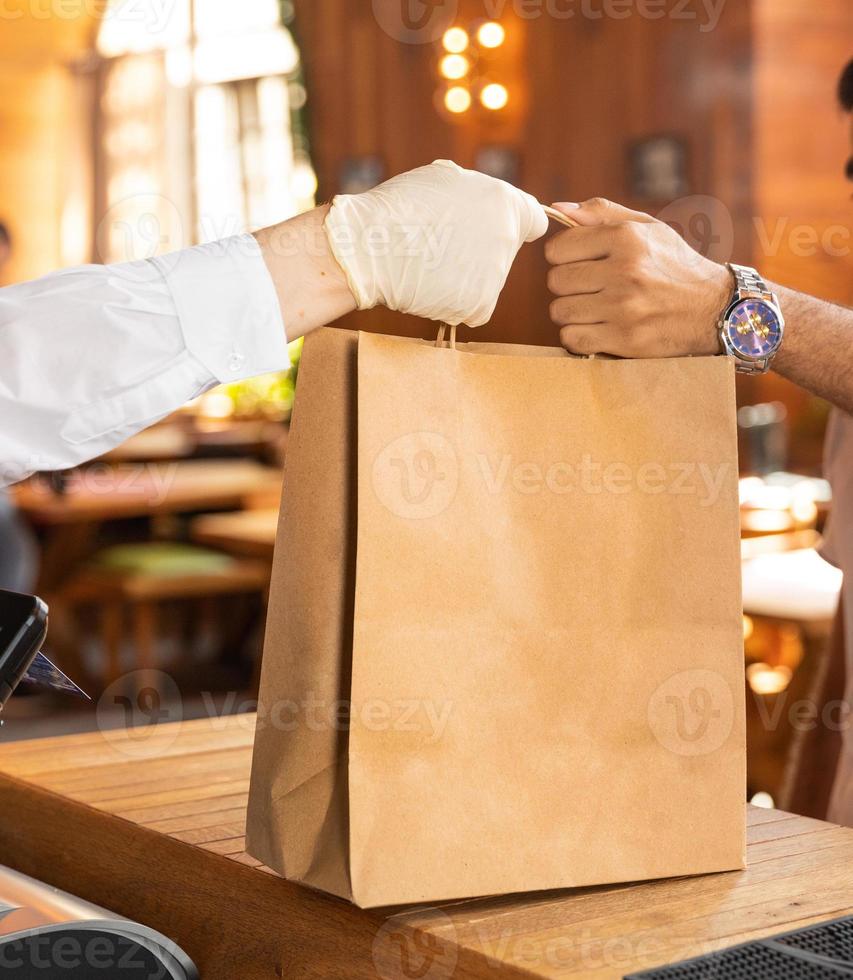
(150,825)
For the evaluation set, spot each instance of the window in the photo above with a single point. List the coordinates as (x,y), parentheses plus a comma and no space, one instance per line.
(199,126)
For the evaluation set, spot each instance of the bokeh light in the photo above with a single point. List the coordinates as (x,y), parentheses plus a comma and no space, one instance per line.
(491,34)
(454,66)
(494,96)
(457,99)
(455,40)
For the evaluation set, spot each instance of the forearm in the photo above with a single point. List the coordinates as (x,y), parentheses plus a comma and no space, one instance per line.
(311,287)
(817,352)
(91,355)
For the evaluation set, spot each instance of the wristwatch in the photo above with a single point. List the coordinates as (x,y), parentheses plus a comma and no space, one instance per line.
(752,326)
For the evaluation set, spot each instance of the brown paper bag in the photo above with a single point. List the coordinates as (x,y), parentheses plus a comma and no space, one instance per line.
(504,648)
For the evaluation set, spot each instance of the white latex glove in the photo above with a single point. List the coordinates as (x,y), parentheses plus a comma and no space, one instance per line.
(437,242)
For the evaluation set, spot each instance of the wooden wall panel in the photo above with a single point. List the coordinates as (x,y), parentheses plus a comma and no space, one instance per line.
(29,181)
(803,233)
(590,86)
(35,114)
(802,144)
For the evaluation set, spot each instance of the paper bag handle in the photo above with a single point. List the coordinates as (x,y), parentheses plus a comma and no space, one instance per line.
(439,340)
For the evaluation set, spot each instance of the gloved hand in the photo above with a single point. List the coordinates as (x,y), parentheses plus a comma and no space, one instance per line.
(437,242)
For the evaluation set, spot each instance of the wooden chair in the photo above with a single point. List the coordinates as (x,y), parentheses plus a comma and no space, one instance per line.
(132,588)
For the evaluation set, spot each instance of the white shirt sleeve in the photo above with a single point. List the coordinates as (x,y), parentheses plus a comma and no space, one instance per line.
(91,355)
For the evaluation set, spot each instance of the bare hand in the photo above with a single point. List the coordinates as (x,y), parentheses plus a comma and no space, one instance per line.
(628,284)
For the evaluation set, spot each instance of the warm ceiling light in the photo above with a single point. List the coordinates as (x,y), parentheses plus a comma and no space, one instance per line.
(764,679)
(494,96)
(455,40)
(491,34)
(454,66)
(457,99)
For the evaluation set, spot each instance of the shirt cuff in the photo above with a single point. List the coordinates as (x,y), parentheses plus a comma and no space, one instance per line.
(228,308)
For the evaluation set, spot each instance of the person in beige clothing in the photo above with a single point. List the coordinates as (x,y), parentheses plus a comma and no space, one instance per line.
(629,285)
(838,548)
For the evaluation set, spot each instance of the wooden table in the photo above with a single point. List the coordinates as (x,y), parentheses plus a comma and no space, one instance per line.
(163,442)
(151,825)
(247,532)
(185,436)
(108,492)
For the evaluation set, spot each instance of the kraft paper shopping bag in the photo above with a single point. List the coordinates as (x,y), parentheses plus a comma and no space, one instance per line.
(504,647)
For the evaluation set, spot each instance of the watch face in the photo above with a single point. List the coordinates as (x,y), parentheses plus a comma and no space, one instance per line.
(754,329)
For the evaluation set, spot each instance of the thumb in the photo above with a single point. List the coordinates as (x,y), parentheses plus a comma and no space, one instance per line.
(600,211)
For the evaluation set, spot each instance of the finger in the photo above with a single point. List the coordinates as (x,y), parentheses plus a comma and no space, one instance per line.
(576,278)
(579,245)
(568,208)
(584,339)
(600,211)
(580,310)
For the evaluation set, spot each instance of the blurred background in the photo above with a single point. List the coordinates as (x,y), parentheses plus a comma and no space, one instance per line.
(132,129)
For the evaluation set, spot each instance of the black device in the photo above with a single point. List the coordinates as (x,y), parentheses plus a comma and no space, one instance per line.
(47,934)
(817,952)
(23,628)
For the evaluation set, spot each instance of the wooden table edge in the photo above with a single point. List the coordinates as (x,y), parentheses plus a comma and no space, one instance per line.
(223,912)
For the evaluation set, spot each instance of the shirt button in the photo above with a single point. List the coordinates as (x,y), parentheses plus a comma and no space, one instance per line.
(235,361)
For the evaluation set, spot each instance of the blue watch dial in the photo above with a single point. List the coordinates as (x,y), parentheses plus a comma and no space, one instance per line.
(753,328)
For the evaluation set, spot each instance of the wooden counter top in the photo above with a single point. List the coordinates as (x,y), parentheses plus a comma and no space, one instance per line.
(136,490)
(150,825)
